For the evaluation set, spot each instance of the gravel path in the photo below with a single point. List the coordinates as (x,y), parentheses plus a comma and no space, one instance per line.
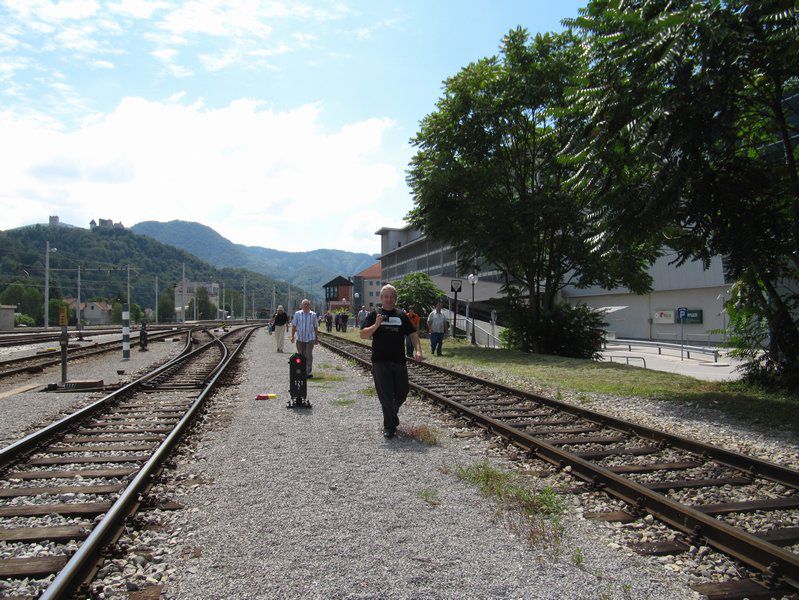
(24,407)
(316,503)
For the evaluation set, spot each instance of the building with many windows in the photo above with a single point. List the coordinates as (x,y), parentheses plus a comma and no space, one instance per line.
(366,285)
(649,316)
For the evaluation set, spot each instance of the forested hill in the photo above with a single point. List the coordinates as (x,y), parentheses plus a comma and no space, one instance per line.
(309,270)
(104,254)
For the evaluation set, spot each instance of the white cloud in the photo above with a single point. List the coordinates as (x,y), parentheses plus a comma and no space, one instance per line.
(260,177)
(138,9)
(54,11)
(102,64)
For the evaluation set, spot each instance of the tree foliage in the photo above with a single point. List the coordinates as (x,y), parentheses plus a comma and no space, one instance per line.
(166,307)
(417,290)
(104,255)
(28,300)
(488,178)
(690,125)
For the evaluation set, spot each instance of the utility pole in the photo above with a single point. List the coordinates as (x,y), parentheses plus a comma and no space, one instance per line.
(78,307)
(183,287)
(273,298)
(156,299)
(289,310)
(224,312)
(252,305)
(244,299)
(47,285)
(128,286)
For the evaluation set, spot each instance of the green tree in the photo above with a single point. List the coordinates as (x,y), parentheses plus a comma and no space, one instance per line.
(488,178)
(29,300)
(55,312)
(166,307)
(205,308)
(116,313)
(417,289)
(689,140)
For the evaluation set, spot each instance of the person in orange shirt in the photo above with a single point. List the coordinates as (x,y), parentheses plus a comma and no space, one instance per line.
(414,319)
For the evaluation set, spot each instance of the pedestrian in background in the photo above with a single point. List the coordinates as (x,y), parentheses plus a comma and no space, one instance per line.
(414,319)
(437,325)
(360,318)
(304,327)
(345,319)
(279,322)
(386,327)
(328,320)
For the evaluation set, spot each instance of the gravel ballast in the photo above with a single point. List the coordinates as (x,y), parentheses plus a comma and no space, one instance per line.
(32,407)
(315,503)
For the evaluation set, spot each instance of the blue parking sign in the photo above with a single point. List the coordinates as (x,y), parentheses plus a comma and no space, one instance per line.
(682,312)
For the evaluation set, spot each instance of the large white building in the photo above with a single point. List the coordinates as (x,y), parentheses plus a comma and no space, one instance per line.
(648,316)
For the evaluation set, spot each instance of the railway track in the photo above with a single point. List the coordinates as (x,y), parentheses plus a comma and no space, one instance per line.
(37,362)
(43,337)
(754,515)
(66,490)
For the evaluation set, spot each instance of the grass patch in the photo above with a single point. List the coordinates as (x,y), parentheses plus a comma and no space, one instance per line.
(745,402)
(578,557)
(535,514)
(422,433)
(343,402)
(368,392)
(325,376)
(430,496)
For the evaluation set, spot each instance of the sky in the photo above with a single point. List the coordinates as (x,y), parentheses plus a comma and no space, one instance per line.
(282,124)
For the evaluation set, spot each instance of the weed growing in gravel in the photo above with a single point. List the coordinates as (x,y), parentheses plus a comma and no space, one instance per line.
(368,392)
(343,402)
(558,395)
(422,433)
(534,513)
(430,496)
(325,376)
(578,557)
(583,399)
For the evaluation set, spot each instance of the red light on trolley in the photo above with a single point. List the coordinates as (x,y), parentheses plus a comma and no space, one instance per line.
(297,360)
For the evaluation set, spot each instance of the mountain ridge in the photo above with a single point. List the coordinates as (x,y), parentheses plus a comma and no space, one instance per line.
(308,269)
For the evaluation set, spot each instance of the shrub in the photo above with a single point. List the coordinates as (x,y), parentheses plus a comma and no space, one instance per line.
(564,330)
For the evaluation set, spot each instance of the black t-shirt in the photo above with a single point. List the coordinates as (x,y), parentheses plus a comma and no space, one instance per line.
(388,342)
(281,318)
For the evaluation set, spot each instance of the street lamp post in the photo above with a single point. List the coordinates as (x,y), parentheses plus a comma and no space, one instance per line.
(473,279)
(355,301)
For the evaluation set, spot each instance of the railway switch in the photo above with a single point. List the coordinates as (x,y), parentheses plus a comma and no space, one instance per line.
(298,382)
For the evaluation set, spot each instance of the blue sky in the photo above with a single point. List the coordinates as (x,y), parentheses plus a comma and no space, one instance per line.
(279,124)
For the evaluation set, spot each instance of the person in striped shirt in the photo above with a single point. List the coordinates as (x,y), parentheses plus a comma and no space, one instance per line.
(305,327)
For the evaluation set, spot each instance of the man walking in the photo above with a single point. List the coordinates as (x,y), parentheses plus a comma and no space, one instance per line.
(305,328)
(279,322)
(387,327)
(360,318)
(437,325)
(414,319)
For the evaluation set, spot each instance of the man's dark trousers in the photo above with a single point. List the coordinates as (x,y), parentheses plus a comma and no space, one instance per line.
(391,383)
(436,341)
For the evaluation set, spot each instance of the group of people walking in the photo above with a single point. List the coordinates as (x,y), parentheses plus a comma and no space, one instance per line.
(394,336)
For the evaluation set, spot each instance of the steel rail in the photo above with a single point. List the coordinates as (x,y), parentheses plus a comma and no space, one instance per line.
(70,577)
(753,466)
(75,353)
(749,549)
(14,451)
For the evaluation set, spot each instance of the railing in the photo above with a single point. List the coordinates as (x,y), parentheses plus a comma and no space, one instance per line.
(626,358)
(660,345)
